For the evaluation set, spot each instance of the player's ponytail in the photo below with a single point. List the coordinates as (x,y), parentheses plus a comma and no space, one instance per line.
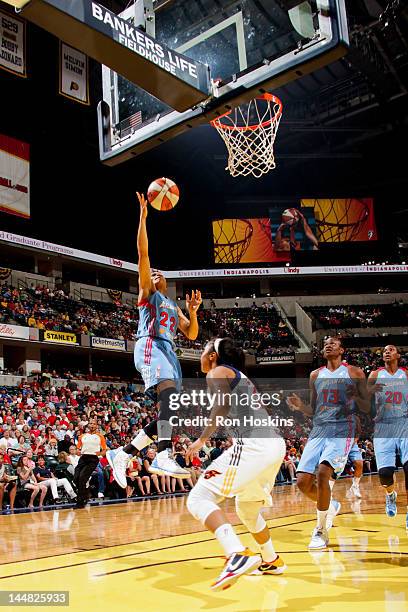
(229,354)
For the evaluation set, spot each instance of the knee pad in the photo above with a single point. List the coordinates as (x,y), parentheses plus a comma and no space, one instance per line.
(386,475)
(164,403)
(201,502)
(249,514)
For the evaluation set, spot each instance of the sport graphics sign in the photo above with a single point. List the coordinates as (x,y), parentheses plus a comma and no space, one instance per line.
(110,344)
(59,337)
(268,359)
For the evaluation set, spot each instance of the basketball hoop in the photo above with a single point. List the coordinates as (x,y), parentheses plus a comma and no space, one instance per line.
(249,132)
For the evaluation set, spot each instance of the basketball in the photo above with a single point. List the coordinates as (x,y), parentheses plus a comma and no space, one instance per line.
(163,194)
(290,216)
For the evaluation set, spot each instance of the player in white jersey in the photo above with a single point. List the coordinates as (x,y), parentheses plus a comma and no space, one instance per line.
(336,390)
(390,386)
(246,471)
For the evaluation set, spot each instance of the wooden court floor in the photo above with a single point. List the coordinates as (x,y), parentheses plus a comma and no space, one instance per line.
(152,556)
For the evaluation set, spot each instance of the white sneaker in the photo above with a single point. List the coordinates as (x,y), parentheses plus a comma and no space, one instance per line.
(356,491)
(236,565)
(118,460)
(319,540)
(164,464)
(101,495)
(333,510)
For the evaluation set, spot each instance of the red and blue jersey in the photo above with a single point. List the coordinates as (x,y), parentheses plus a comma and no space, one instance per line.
(158,318)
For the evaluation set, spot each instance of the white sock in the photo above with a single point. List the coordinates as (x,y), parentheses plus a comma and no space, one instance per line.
(356,481)
(321,519)
(228,539)
(267,551)
(120,450)
(331,484)
(141,440)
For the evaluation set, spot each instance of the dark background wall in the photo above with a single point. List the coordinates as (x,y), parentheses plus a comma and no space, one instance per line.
(77,201)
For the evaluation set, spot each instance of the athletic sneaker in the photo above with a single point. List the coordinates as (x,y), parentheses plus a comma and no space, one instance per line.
(164,464)
(270,567)
(319,540)
(236,565)
(118,460)
(333,510)
(354,491)
(391,504)
(101,495)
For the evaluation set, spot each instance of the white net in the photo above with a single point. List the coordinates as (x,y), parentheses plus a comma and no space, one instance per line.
(249,132)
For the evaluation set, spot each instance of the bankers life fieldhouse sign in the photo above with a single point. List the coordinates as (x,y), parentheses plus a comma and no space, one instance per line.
(192,72)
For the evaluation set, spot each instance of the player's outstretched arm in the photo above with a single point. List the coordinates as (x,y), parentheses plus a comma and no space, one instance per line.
(308,232)
(189,327)
(295,403)
(145,279)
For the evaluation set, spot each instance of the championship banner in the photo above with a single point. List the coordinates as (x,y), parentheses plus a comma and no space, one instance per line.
(5,273)
(115,295)
(267,359)
(73,78)
(12,44)
(14,177)
(110,344)
(15,332)
(60,337)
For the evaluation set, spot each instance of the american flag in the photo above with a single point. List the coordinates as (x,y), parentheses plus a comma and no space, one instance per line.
(135,120)
(129,125)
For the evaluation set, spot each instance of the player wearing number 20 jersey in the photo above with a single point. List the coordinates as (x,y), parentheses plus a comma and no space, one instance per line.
(389,385)
(155,357)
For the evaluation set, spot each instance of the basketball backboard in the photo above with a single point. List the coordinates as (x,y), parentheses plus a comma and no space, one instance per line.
(250,46)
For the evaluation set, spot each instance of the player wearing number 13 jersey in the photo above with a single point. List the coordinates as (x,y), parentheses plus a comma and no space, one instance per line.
(156,360)
(337,391)
(389,386)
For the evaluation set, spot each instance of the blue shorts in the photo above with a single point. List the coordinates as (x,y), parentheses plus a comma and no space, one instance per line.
(390,438)
(355,453)
(318,449)
(156,361)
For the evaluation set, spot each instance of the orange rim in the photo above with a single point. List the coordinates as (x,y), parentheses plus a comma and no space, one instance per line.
(266,96)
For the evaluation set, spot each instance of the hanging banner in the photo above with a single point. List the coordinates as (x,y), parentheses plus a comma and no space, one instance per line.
(115,295)
(73,81)
(14,177)
(12,44)
(5,273)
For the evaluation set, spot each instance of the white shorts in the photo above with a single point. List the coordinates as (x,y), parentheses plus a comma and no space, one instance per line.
(247,470)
